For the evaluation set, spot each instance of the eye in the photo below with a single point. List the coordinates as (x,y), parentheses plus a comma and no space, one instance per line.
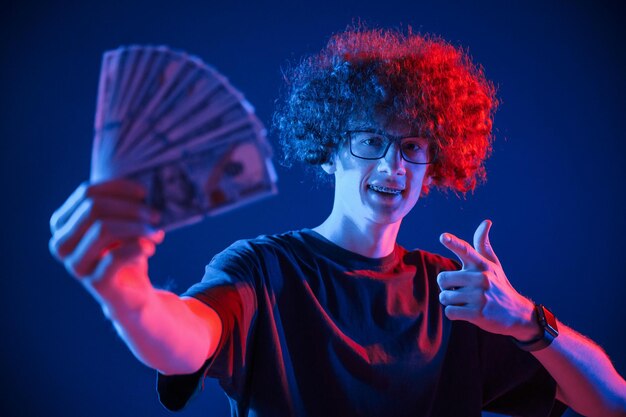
(372,140)
(414,145)
(411,146)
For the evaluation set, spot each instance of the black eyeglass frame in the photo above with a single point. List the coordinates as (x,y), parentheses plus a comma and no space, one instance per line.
(390,139)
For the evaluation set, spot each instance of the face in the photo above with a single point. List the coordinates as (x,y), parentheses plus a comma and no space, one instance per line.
(176,187)
(381,191)
(248,158)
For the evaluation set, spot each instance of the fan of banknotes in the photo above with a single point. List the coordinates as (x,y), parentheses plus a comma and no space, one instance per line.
(175,124)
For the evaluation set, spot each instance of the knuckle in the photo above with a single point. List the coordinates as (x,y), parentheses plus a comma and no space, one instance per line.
(158,237)
(482,301)
(147,246)
(450,312)
(482,265)
(74,268)
(84,190)
(482,297)
(54,219)
(483,280)
(53,247)
(91,209)
(88,189)
(441,278)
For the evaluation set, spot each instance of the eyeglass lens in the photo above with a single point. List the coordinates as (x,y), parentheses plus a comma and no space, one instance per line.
(370,145)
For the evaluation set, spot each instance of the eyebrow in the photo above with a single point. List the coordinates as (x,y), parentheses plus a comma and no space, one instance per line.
(382,132)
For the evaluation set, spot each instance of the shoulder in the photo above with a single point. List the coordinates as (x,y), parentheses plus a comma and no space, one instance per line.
(261,247)
(267,243)
(251,259)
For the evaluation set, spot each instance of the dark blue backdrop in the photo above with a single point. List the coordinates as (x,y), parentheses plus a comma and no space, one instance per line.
(555,190)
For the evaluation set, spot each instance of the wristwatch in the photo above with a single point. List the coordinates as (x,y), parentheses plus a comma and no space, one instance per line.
(547,322)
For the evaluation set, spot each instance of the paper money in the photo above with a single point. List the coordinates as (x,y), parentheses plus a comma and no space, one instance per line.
(168,120)
(208,182)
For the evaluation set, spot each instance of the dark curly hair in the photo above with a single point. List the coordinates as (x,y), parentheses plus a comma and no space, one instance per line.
(420,80)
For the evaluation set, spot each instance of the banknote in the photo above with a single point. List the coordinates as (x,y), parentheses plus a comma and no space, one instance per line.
(174,123)
(220,178)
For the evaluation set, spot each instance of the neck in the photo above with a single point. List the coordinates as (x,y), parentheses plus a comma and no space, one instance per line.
(365,238)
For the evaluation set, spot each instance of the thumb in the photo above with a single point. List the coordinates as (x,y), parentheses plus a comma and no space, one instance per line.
(482,243)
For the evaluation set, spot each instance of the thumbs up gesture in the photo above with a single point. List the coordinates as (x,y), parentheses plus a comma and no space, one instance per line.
(480,292)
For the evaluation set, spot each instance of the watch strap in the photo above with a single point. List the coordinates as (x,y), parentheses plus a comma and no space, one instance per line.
(547,323)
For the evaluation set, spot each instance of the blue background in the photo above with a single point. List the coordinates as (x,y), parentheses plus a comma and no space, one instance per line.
(555,190)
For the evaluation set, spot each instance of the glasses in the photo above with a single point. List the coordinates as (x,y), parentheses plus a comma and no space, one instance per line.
(366,144)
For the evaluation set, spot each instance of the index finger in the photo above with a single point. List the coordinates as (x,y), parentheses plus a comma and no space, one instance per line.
(464,251)
(119,187)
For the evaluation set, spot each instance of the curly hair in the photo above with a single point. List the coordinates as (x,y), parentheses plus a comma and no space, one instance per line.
(419,80)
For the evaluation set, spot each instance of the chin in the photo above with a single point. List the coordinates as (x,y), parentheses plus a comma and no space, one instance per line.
(387,218)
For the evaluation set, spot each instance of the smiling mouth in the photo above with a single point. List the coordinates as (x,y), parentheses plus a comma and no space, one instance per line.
(384,190)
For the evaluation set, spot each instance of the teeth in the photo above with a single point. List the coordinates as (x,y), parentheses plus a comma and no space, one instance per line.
(383,189)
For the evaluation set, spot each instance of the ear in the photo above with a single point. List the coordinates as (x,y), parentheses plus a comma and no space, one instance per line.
(427,180)
(330,167)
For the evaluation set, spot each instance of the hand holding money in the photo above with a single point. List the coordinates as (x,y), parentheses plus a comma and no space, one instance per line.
(104,235)
(174,141)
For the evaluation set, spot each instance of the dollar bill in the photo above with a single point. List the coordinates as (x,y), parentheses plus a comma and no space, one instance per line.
(208,182)
(175,124)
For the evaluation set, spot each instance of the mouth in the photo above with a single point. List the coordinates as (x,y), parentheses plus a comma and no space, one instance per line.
(385,190)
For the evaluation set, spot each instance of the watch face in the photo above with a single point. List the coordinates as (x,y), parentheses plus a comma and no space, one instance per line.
(550,321)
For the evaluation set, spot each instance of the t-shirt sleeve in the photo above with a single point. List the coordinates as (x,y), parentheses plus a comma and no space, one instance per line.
(228,287)
(514,382)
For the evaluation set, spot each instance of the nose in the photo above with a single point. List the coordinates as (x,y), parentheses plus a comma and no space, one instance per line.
(392,162)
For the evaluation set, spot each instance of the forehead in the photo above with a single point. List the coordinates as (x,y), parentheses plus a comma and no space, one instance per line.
(394,128)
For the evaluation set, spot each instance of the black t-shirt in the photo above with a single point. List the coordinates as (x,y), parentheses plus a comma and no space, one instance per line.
(311,329)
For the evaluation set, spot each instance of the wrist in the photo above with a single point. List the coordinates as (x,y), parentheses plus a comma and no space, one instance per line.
(125,306)
(125,296)
(528,328)
(548,327)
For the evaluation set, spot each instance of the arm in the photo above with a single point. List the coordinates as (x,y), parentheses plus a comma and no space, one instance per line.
(586,378)
(170,334)
(481,294)
(103,237)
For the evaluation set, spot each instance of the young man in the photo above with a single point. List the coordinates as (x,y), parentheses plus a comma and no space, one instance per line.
(340,319)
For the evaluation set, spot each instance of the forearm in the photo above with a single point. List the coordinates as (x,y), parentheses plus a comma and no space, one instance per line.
(159,328)
(587,380)
(104,234)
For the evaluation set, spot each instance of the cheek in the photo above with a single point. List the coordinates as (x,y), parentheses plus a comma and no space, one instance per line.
(352,173)
(418,181)
(350,181)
